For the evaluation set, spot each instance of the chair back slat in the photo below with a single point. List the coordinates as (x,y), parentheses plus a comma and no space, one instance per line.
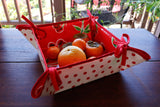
(29,9)
(40,9)
(17,10)
(150,25)
(52,10)
(157,29)
(146,14)
(5,10)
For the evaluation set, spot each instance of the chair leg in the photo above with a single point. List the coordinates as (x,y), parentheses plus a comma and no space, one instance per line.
(121,25)
(132,24)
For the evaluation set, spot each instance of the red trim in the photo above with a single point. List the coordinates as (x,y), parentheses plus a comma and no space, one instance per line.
(142,53)
(20,27)
(43,25)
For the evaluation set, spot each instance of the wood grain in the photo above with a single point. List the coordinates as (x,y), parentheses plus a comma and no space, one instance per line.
(15,48)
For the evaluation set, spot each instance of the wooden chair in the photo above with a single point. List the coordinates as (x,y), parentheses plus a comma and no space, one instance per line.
(106,11)
(157,30)
(142,20)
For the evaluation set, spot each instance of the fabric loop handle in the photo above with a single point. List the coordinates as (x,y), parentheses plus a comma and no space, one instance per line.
(40,34)
(56,81)
(40,83)
(92,24)
(121,48)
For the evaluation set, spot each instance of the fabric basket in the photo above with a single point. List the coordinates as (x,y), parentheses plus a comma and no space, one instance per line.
(118,56)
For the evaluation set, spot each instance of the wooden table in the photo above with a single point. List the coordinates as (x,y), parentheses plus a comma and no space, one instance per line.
(138,86)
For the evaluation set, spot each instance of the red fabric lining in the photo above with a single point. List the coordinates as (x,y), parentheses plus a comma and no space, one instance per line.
(67,34)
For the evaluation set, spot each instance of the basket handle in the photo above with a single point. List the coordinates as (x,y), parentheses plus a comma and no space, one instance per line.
(40,84)
(40,34)
(92,24)
(121,49)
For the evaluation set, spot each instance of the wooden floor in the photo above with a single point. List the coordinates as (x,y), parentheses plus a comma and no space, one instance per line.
(138,86)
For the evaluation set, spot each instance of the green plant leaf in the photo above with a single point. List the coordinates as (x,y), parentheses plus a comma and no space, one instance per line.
(77,27)
(102,21)
(86,31)
(113,43)
(96,27)
(157,12)
(87,27)
(62,25)
(99,12)
(82,27)
(150,7)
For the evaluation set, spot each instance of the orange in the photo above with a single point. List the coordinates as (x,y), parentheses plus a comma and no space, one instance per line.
(93,49)
(52,52)
(70,55)
(79,43)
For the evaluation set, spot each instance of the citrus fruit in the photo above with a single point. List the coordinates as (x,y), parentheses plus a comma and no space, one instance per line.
(93,49)
(52,52)
(79,43)
(71,54)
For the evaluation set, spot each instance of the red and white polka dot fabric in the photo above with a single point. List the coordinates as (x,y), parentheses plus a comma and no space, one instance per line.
(87,72)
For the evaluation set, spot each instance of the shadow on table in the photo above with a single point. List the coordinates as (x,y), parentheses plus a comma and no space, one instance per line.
(110,90)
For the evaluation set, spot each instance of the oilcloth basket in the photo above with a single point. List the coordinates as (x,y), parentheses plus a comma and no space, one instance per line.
(118,55)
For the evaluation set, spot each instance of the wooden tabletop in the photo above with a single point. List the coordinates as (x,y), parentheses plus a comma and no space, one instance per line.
(138,86)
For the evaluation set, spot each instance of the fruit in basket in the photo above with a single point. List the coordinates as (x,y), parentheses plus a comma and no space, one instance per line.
(71,54)
(52,52)
(79,43)
(93,49)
